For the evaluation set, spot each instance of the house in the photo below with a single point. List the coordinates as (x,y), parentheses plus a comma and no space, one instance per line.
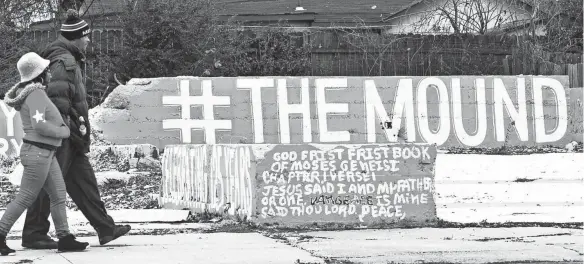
(392,16)
(313,13)
(297,13)
(511,17)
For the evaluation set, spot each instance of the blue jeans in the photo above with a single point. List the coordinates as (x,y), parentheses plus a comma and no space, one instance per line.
(82,188)
(41,171)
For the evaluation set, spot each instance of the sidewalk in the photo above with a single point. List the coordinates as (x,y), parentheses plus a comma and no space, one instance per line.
(142,220)
(428,245)
(448,245)
(170,249)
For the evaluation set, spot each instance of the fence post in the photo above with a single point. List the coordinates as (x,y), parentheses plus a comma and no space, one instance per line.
(506,68)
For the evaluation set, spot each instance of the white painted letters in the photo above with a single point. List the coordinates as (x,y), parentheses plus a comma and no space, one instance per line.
(9,117)
(285,109)
(440,136)
(559,130)
(255,90)
(507,113)
(323,108)
(501,97)
(481,119)
(403,103)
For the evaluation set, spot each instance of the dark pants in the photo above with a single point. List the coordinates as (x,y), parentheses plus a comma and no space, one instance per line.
(82,188)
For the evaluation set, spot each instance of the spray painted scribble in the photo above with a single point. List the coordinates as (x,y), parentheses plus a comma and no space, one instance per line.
(208,178)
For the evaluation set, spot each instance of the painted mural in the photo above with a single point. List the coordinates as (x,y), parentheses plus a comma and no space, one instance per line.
(295,184)
(447,111)
(450,111)
(346,184)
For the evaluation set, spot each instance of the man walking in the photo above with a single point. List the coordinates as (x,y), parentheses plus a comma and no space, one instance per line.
(67,91)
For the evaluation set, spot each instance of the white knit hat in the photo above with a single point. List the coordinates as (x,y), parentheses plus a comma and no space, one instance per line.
(30,66)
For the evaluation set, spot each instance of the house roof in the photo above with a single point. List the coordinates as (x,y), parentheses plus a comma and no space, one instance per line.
(104,7)
(260,7)
(323,10)
(526,3)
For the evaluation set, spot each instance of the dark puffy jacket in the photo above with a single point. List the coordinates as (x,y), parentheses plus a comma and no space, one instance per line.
(67,89)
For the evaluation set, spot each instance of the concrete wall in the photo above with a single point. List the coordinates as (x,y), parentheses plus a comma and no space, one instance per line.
(463,111)
(298,184)
(229,179)
(11,132)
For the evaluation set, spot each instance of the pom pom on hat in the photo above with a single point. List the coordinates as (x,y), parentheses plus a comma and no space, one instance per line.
(72,14)
(74,27)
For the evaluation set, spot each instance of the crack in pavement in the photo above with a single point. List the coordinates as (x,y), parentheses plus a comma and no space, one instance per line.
(285,239)
(294,240)
(519,237)
(579,253)
(65,258)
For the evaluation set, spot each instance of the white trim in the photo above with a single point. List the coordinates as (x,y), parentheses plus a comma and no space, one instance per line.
(72,25)
(75,29)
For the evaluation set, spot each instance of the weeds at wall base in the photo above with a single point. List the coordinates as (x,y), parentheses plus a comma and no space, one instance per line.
(513,150)
(204,217)
(272,230)
(485,224)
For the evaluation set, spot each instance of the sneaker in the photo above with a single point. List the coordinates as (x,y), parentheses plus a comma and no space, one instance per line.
(40,244)
(119,230)
(4,249)
(70,244)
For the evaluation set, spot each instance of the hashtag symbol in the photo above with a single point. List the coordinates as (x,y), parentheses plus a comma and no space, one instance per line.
(186,101)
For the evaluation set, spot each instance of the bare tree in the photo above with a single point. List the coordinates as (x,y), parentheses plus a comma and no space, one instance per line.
(370,43)
(556,25)
(18,14)
(467,16)
(16,17)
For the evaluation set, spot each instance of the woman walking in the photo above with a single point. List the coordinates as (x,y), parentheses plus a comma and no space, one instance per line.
(44,130)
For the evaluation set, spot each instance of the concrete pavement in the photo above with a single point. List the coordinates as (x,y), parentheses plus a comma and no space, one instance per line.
(183,248)
(140,219)
(447,245)
(429,245)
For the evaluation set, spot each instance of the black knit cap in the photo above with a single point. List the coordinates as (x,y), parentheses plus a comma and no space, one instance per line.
(74,27)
